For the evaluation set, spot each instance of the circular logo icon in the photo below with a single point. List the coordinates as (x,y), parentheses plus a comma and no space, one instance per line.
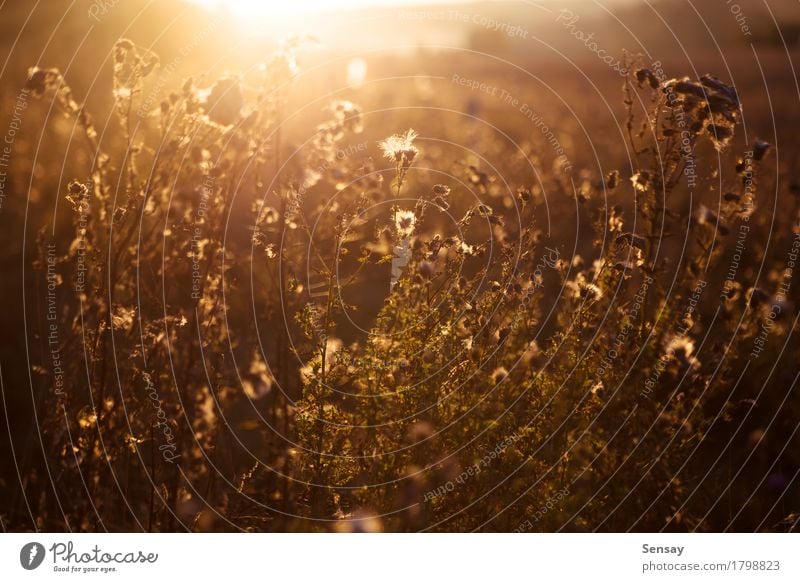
(31,555)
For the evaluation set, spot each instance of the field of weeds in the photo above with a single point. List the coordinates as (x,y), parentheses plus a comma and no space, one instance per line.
(534,274)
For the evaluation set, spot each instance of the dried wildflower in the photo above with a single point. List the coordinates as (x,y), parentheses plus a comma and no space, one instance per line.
(400,148)
(720,135)
(641,181)
(404,222)
(686,87)
(591,292)
(581,288)
(268,215)
(720,88)
(133,442)
(122,93)
(124,44)
(732,290)
(712,107)
(632,239)
(258,382)
(478,178)
(721,106)
(680,348)
(440,203)
(76,194)
(123,318)
(466,249)
(645,75)
(270,250)
(41,80)
(87,417)
(504,332)
(499,374)
(615,222)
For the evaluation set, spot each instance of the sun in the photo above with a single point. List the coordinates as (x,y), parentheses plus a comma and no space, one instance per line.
(261,8)
(250,8)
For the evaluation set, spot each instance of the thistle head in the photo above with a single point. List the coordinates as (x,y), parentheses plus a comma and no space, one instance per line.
(400,148)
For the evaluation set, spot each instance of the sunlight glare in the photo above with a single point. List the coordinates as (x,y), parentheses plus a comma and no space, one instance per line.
(299,7)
